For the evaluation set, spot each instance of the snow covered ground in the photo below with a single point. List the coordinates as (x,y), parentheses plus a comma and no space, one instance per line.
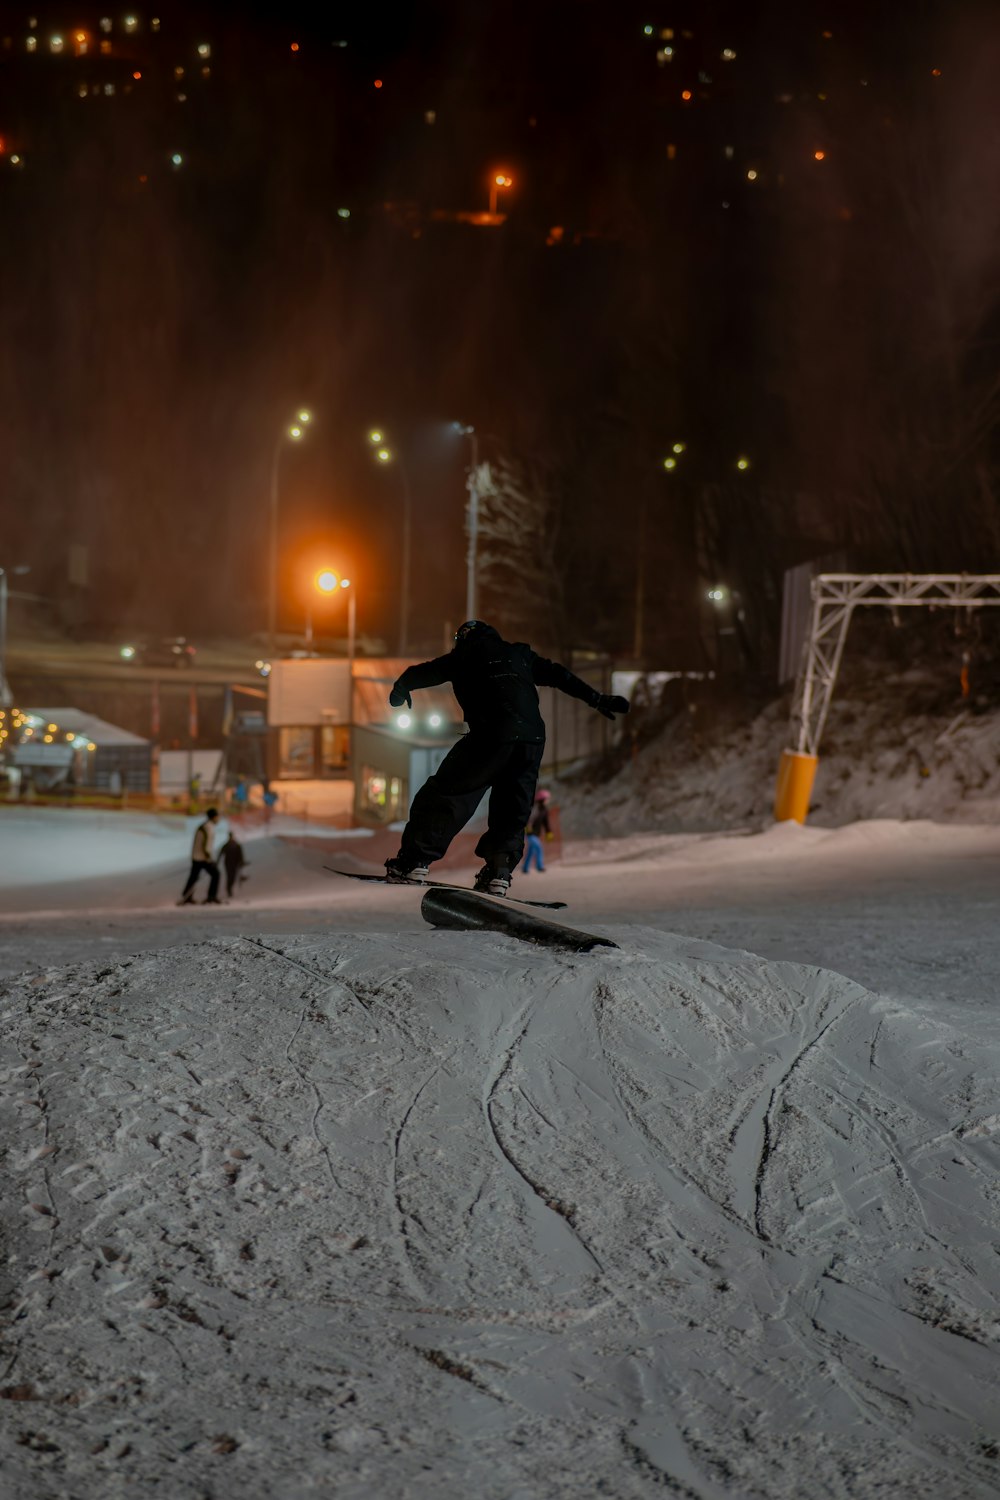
(303,1197)
(897,744)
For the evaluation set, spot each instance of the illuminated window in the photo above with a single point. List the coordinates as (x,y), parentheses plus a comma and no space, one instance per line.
(31,43)
(728,54)
(109,89)
(155,23)
(752,175)
(131,23)
(105,23)
(55,44)
(204,50)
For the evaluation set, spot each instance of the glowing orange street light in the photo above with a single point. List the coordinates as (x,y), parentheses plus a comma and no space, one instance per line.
(328,582)
(497,181)
(819,155)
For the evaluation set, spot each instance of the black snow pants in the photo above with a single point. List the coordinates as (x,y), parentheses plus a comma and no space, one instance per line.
(447,800)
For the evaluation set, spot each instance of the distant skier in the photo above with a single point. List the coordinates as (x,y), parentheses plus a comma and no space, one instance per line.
(495,683)
(202,859)
(233,860)
(539,827)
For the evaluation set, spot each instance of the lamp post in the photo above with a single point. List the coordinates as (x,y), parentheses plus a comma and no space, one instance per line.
(472,519)
(6,697)
(293,432)
(328,582)
(386,456)
(498,180)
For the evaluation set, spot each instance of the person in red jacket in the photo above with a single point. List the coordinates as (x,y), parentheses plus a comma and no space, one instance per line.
(496,683)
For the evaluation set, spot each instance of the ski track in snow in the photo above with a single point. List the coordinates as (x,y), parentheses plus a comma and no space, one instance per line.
(438,1214)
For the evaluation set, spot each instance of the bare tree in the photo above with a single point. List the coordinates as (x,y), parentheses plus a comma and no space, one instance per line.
(518,553)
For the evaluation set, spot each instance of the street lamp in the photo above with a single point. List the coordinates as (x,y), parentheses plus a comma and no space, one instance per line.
(292,433)
(472,527)
(385,455)
(6,697)
(328,582)
(498,180)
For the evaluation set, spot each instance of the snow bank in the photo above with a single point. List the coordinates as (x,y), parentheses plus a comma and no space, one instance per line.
(434,1214)
(892,749)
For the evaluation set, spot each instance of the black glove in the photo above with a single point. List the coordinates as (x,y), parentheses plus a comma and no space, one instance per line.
(399,696)
(609,706)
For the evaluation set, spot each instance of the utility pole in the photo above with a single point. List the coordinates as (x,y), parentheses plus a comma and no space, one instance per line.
(6,697)
(472,528)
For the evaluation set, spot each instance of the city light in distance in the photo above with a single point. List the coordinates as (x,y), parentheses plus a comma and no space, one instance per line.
(670,463)
(647,30)
(343,213)
(327,581)
(743,463)
(752,175)
(679,447)
(177,159)
(819,156)
(294,47)
(375,436)
(728,54)
(403,721)
(716,595)
(295,432)
(305,416)
(435,721)
(686,94)
(383,455)
(378,83)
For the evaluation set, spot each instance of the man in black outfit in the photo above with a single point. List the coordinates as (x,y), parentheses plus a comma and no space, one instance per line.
(495,683)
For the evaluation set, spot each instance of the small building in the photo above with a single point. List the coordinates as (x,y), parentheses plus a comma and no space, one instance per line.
(389,766)
(66,747)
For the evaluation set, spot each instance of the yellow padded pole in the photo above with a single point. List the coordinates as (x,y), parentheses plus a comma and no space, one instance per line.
(796,775)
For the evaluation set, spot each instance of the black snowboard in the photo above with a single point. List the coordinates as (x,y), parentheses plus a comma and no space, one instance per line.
(469,911)
(444,885)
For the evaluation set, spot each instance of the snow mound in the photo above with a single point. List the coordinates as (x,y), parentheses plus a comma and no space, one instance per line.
(438,1214)
(891,749)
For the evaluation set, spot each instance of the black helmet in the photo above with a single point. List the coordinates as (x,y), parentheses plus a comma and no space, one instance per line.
(471,629)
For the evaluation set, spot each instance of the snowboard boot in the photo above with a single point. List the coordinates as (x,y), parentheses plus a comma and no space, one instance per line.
(398,872)
(493,879)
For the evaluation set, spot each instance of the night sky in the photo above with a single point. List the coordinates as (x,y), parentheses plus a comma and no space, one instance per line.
(786,255)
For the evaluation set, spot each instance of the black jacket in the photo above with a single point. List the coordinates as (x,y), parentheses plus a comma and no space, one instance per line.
(495,683)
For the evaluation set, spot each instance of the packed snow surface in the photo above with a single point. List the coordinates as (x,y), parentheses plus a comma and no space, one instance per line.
(424,1213)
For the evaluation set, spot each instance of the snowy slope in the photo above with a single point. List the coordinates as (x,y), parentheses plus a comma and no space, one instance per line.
(894,747)
(435,1214)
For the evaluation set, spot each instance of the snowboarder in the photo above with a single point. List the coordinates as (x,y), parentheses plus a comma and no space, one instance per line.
(233,859)
(539,827)
(202,859)
(495,683)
